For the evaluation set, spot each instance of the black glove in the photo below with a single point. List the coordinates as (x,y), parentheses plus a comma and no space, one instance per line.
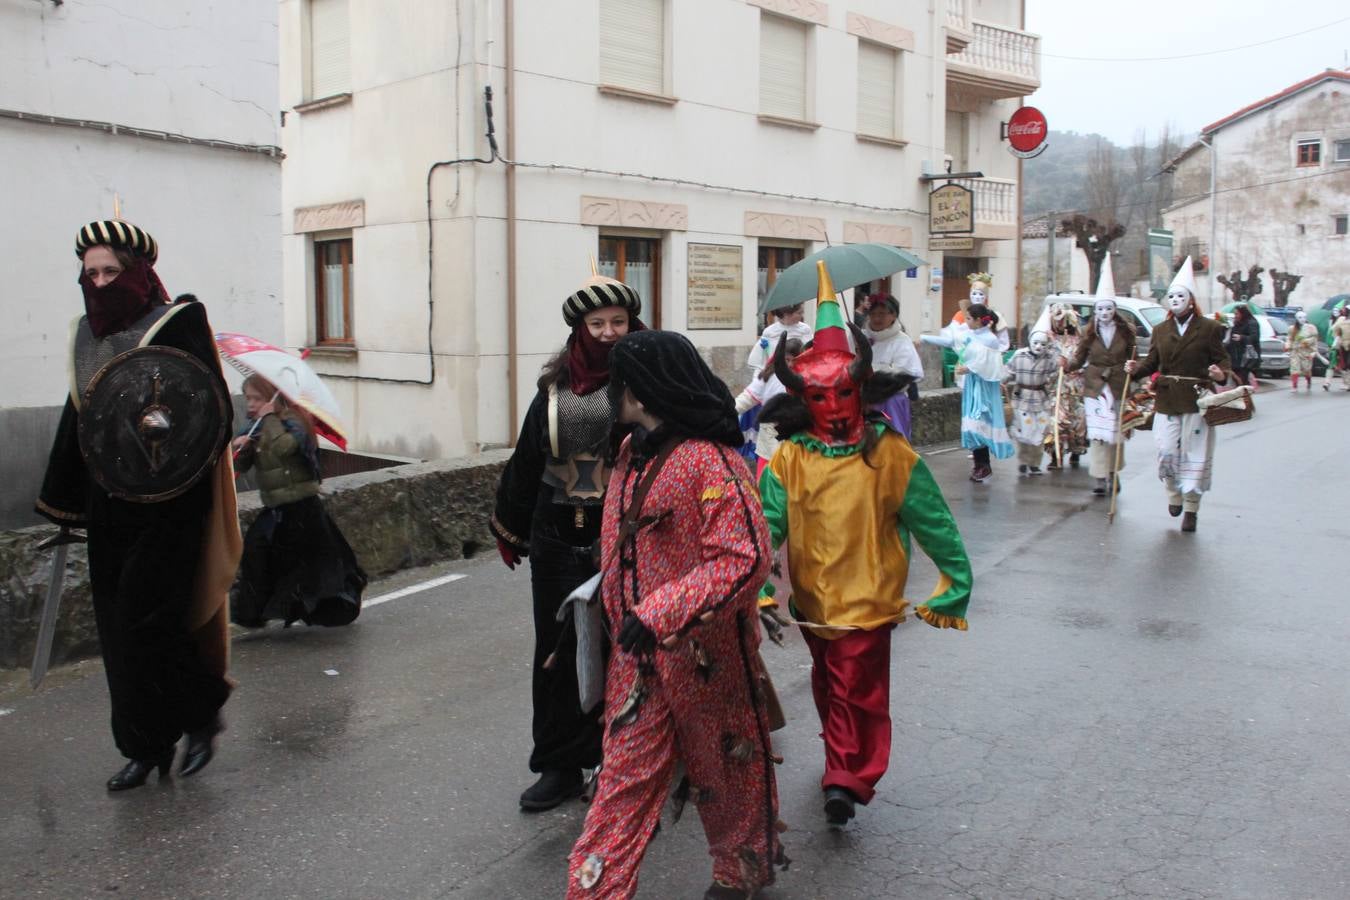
(635,637)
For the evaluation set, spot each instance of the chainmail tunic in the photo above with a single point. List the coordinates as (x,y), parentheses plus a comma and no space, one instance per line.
(91,354)
(579,428)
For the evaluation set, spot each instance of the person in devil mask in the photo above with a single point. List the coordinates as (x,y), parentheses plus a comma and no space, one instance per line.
(549,505)
(845,493)
(160,570)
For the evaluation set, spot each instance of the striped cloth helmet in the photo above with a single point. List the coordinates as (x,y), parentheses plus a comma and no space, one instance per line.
(116,233)
(597,293)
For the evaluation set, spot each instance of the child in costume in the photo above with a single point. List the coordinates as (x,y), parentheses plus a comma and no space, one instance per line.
(845,495)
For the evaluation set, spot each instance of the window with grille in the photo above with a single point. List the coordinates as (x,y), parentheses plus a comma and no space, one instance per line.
(633,44)
(783,67)
(1342,225)
(877,66)
(636,261)
(333,291)
(329,49)
(1309,153)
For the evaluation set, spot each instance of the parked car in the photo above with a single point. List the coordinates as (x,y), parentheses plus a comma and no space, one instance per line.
(1274,358)
(1144,315)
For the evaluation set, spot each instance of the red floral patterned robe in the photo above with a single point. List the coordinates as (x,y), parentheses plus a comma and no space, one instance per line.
(691,573)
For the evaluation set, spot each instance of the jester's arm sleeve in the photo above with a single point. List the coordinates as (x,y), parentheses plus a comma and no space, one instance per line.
(734,552)
(925,515)
(773,498)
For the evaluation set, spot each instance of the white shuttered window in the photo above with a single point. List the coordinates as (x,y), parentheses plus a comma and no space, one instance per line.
(329,49)
(876,89)
(782,67)
(633,44)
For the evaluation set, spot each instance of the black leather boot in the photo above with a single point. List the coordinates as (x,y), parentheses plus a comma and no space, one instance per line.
(552,788)
(201,747)
(134,773)
(839,806)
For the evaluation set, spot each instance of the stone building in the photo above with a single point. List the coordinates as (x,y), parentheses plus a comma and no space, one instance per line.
(1280,170)
(693,149)
(163,111)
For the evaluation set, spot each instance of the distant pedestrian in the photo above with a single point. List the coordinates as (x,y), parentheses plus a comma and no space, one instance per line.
(1302,346)
(1031,374)
(685,550)
(1339,339)
(549,507)
(1244,345)
(1188,355)
(297,566)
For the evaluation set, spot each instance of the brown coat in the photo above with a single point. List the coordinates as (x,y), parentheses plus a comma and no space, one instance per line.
(1103,363)
(1188,355)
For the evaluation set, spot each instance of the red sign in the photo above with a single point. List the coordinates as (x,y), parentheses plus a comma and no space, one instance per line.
(1027,132)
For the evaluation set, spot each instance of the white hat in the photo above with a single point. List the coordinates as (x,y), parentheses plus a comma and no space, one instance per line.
(1106,283)
(1185,277)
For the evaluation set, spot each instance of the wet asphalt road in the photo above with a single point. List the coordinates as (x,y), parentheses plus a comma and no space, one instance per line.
(1134,713)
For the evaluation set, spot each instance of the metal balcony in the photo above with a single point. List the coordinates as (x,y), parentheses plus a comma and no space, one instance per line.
(1000,62)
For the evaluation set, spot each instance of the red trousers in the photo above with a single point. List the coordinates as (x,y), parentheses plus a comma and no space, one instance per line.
(851,683)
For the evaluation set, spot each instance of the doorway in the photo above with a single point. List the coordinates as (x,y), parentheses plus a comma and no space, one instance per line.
(955,287)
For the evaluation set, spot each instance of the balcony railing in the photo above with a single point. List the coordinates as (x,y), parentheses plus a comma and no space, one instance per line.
(995,207)
(958,25)
(1000,62)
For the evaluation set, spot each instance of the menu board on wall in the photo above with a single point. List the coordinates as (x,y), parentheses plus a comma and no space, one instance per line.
(715,299)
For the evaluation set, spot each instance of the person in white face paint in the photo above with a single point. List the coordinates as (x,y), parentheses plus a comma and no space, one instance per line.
(1302,346)
(1031,372)
(1188,354)
(1107,344)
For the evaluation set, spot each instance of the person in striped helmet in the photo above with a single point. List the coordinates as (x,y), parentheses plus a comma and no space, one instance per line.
(549,506)
(160,563)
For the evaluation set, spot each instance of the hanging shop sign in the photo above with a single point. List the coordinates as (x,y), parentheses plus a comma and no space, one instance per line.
(951,210)
(1026,132)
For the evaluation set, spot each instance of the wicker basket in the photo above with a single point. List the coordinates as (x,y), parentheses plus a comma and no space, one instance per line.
(1233,411)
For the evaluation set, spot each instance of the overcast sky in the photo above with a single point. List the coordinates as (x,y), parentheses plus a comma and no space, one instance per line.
(1116,98)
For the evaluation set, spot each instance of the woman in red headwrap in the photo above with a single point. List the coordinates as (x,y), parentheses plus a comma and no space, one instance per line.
(549,505)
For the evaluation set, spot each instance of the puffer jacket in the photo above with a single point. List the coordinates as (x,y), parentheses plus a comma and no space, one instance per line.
(284,473)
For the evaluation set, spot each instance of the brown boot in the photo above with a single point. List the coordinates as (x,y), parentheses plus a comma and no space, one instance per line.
(1188,521)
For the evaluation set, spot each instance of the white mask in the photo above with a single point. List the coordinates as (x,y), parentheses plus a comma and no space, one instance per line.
(1039,343)
(1301,317)
(977,295)
(1105,311)
(1178,300)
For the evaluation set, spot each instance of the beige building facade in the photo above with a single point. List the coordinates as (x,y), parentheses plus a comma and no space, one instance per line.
(693,149)
(1280,171)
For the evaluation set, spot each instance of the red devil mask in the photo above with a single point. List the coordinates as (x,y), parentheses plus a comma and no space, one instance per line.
(829,381)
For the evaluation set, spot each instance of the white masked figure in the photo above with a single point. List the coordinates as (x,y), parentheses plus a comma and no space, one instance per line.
(1188,356)
(1031,373)
(1302,346)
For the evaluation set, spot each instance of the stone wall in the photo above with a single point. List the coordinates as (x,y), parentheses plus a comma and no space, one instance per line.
(394,519)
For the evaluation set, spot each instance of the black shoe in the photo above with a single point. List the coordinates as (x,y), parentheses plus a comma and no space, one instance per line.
(1173,511)
(552,788)
(839,806)
(720,890)
(134,773)
(1188,522)
(1073,460)
(1100,489)
(201,747)
(1034,471)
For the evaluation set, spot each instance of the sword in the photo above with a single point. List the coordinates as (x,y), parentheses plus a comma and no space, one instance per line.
(42,654)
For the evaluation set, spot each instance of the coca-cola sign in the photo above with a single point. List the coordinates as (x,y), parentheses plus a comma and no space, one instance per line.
(1027,131)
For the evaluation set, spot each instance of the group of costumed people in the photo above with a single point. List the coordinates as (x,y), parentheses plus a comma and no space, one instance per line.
(168,567)
(628,469)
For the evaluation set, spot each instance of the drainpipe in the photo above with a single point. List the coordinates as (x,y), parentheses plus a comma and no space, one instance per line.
(512,358)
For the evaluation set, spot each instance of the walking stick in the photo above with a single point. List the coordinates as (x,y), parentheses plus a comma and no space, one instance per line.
(1120,448)
(1059,394)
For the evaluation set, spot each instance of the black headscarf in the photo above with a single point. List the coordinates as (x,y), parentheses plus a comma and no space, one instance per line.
(668,377)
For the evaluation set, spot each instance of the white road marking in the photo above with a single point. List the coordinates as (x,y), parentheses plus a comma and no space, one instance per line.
(411,589)
(4,711)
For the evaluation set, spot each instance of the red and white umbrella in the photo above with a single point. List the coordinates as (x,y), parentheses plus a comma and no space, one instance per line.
(291,375)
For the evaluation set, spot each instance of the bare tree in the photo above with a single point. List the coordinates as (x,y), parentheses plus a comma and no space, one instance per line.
(1244,288)
(1094,239)
(1283,284)
(1103,182)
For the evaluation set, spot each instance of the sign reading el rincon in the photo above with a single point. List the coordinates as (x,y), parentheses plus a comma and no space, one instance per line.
(715,299)
(951,210)
(1027,131)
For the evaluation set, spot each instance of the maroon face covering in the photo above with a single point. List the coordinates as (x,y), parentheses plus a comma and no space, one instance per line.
(588,358)
(122,301)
